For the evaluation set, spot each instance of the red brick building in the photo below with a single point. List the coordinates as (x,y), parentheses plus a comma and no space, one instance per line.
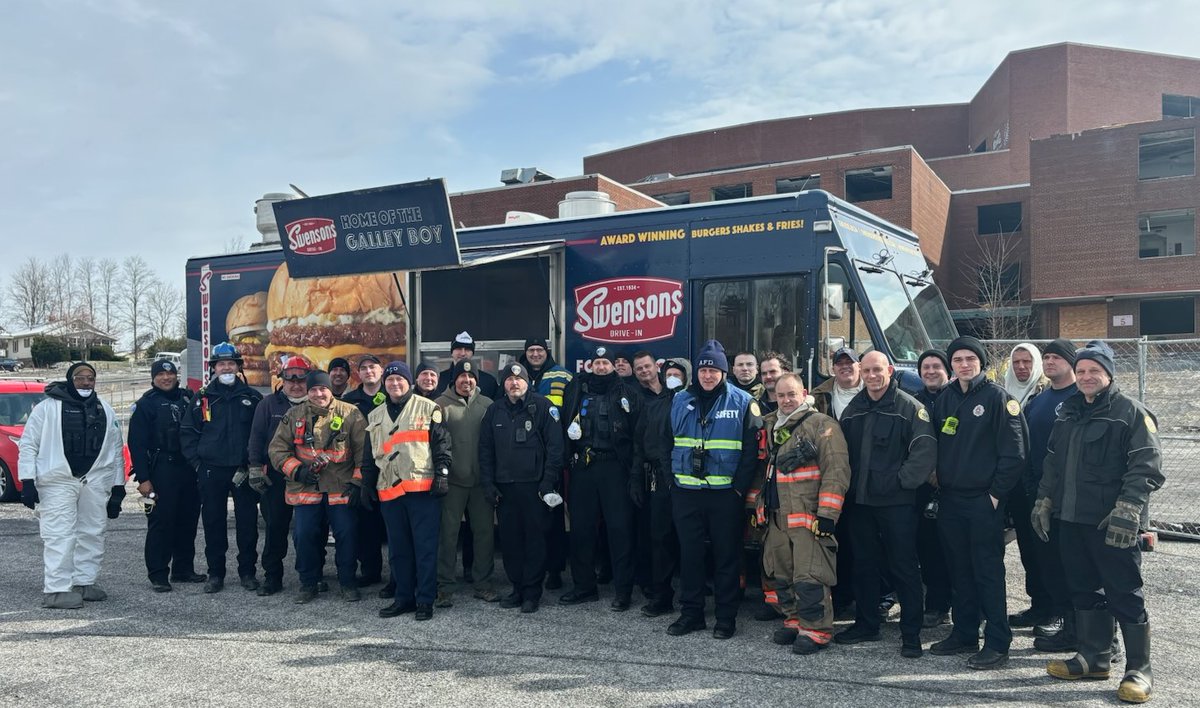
(1077,161)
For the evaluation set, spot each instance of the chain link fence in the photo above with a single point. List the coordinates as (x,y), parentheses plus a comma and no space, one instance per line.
(1165,375)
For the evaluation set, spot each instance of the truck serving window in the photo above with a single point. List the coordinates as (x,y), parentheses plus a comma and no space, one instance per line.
(757,315)
(896,315)
(505,300)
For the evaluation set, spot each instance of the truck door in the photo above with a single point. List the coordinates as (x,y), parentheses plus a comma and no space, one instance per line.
(758,314)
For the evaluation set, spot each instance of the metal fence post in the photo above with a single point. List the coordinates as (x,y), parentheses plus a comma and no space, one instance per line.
(1143,352)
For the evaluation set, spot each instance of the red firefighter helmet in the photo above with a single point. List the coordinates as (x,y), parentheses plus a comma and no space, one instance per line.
(295,362)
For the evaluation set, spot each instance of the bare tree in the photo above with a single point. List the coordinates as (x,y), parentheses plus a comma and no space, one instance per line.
(137,280)
(62,287)
(29,293)
(235,244)
(108,275)
(996,272)
(164,310)
(88,286)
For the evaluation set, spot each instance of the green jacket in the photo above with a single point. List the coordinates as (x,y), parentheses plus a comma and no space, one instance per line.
(462,419)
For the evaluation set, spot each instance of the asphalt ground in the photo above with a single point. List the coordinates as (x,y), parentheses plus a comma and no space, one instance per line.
(236,649)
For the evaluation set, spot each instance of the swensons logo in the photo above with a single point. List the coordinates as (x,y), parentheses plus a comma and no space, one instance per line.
(310,237)
(628,309)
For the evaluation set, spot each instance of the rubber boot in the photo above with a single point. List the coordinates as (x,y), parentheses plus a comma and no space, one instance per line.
(1135,686)
(1093,631)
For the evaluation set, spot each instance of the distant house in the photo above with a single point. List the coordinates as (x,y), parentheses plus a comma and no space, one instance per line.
(76,333)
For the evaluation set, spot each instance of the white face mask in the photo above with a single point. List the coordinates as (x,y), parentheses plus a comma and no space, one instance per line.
(674,382)
(227,379)
(297,401)
(83,392)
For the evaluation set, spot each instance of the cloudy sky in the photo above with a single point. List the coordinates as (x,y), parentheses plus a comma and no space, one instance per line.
(151,126)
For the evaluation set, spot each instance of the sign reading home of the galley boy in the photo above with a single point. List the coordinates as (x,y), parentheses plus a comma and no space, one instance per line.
(401,227)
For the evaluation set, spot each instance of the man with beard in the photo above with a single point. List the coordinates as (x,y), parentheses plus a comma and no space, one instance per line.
(214,437)
(745,374)
(546,377)
(165,477)
(599,412)
(463,408)
(71,465)
(771,367)
(715,429)
(339,376)
(370,532)
(461,349)
(318,446)
(268,481)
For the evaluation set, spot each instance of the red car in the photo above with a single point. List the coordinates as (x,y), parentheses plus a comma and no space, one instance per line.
(17,399)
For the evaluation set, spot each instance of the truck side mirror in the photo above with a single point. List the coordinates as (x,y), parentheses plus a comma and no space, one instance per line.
(835,301)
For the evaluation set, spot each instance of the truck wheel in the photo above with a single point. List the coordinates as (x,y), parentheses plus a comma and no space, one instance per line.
(8,489)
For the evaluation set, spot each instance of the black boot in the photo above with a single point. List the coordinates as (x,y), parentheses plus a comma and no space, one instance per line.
(1135,686)
(1061,642)
(1093,629)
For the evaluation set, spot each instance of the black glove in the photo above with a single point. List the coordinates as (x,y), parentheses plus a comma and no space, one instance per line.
(29,495)
(491,495)
(637,491)
(824,528)
(441,483)
(306,475)
(115,499)
(355,499)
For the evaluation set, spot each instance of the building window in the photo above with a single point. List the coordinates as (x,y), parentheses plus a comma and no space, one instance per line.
(998,284)
(1173,316)
(1167,233)
(787,185)
(869,184)
(1168,154)
(732,191)
(1180,106)
(999,218)
(674,198)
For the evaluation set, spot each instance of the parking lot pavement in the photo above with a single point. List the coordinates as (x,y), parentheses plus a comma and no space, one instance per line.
(237,649)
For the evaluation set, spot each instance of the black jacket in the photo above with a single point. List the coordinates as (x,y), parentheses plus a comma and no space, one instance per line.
(154,432)
(624,407)
(521,442)
(1099,454)
(985,453)
(364,403)
(219,438)
(892,447)
(267,415)
(652,433)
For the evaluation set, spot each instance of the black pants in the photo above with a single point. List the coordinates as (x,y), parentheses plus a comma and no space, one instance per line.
(643,553)
(1020,507)
(935,573)
(171,525)
(972,533)
(715,515)
(216,485)
(843,592)
(524,519)
(369,536)
(601,487)
(277,515)
(664,545)
(1091,564)
(557,546)
(885,537)
(1053,575)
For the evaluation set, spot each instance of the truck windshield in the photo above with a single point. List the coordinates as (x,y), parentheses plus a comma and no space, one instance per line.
(932,309)
(896,315)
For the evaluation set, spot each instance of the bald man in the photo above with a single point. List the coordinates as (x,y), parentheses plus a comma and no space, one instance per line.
(892,452)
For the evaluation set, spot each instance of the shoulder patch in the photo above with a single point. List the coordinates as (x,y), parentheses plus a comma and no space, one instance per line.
(754,409)
(436,415)
(1013,408)
(132,407)
(247,402)
(923,414)
(1150,424)
(555,414)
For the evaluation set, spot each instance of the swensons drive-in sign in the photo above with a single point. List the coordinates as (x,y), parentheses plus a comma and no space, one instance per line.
(401,227)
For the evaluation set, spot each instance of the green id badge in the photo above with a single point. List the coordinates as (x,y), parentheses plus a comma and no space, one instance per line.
(950,427)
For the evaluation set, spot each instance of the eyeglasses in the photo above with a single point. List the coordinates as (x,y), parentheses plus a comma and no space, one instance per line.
(85,378)
(293,377)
